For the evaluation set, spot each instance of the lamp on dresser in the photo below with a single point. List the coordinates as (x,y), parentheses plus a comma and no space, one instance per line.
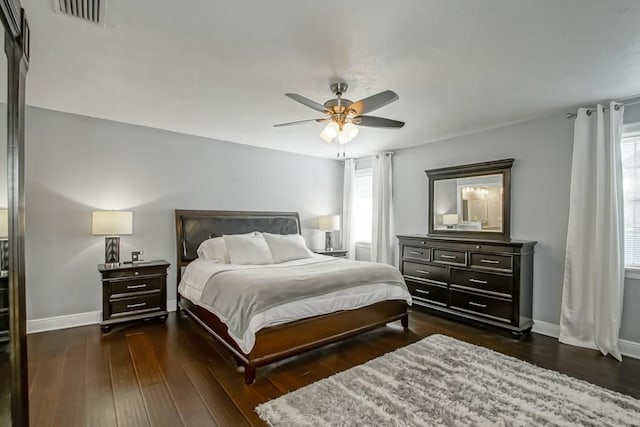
(112,224)
(329,223)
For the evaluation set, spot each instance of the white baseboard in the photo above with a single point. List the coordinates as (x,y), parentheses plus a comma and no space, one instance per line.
(63,322)
(627,348)
(73,320)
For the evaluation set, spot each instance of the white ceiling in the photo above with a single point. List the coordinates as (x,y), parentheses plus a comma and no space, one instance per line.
(220,69)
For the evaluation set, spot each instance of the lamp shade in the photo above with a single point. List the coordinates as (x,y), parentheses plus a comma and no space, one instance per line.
(330,131)
(348,132)
(4,223)
(329,222)
(450,219)
(111,223)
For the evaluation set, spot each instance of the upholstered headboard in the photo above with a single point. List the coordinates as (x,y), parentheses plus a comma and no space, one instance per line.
(193,227)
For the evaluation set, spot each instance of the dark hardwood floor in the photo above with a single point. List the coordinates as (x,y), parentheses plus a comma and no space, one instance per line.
(174,374)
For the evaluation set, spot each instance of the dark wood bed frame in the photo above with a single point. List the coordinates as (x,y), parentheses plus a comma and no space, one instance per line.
(277,342)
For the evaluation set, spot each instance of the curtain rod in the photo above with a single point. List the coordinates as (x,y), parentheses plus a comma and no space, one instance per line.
(629,101)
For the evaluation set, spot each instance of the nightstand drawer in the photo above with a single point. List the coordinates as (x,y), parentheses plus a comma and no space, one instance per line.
(127,286)
(502,284)
(493,262)
(428,293)
(134,272)
(425,271)
(450,257)
(141,303)
(494,308)
(419,253)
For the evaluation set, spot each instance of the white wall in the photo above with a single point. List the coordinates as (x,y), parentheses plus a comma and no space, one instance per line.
(541,178)
(76,164)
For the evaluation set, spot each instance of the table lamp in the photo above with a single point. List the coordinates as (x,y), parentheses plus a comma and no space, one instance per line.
(449,220)
(328,223)
(112,224)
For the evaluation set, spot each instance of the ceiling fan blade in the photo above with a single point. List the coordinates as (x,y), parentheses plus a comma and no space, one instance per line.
(306,101)
(377,122)
(299,122)
(374,102)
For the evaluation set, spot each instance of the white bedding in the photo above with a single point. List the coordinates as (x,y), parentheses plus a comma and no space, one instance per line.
(198,273)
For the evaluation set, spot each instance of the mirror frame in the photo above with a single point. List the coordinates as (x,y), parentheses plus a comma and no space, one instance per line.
(17,48)
(496,167)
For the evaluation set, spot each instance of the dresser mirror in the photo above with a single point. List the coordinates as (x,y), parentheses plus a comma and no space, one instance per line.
(471,200)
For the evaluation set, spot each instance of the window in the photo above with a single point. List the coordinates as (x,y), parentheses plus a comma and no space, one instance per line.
(363,206)
(630,150)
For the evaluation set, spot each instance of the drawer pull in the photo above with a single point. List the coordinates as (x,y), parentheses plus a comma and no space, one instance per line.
(482,282)
(415,252)
(448,256)
(420,291)
(135,273)
(423,271)
(142,304)
(144,285)
(477,304)
(489,261)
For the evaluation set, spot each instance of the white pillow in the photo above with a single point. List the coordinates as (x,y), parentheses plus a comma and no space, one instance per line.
(214,250)
(287,247)
(248,249)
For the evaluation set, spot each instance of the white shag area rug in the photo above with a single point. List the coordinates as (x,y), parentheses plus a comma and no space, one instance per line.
(440,381)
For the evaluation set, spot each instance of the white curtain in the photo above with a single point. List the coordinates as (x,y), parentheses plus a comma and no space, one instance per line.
(382,244)
(348,193)
(594,262)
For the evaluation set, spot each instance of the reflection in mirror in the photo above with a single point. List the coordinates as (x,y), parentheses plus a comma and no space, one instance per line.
(469,204)
(5,386)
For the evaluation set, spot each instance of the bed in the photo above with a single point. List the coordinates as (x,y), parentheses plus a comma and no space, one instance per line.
(282,340)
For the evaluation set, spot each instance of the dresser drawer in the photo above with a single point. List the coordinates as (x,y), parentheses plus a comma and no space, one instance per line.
(134,272)
(126,286)
(450,257)
(136,304)
(428,293)
(4,320)
(425,271)
(418,253)
(502,284)
(493,262)
(494,308)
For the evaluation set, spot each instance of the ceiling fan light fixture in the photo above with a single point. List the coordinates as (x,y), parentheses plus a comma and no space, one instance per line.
(330,132)
(348,133)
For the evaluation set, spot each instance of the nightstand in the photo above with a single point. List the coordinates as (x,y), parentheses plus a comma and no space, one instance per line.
(338,253)
(133,291)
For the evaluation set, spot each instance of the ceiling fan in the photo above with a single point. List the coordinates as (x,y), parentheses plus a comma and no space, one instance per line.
(343,114)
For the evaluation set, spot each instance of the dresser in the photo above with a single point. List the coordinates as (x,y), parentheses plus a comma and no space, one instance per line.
(133,292)
(482,281)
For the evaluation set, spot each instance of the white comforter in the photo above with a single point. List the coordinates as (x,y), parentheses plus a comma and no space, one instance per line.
(197,275)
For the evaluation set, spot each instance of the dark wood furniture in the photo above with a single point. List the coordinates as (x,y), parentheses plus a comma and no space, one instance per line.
(133,291)
(338,253)
(484,281)
(4,310)
(277,342)
(17,49)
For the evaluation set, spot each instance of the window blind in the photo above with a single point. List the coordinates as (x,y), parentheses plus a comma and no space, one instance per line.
(630,150)
(363,205)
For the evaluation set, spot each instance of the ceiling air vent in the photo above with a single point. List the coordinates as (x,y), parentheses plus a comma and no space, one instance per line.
(92,11)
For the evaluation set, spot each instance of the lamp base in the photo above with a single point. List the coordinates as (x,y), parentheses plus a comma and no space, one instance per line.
(327,241)
(112,250)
